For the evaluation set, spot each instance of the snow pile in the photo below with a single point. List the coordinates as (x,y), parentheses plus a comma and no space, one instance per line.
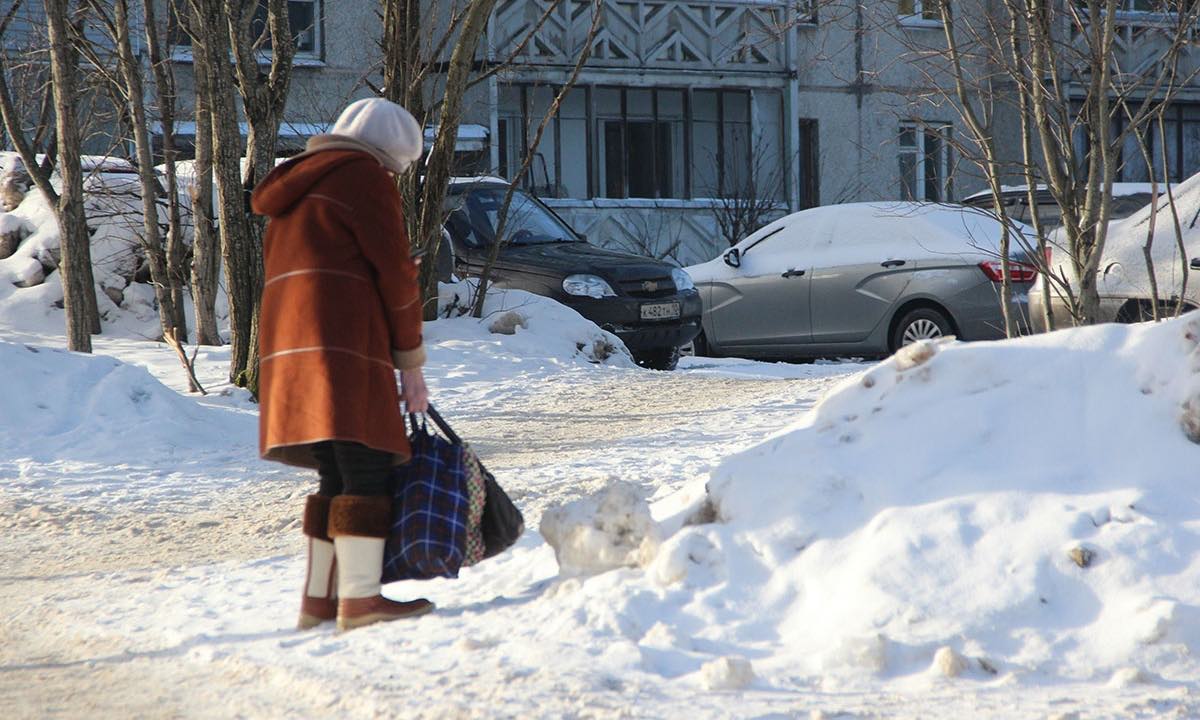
(610,529)
(971,510)
(517,326)
(68,406)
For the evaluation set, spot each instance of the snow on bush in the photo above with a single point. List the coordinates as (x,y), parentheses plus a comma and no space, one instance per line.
(61,405)
(516,326)
(610,529)
(30,292)
(931,514)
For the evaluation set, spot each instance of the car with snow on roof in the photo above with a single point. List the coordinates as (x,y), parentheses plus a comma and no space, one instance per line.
(860,279)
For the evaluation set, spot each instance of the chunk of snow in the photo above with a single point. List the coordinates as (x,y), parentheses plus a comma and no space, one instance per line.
(727,673)
(947,662)
(610,529)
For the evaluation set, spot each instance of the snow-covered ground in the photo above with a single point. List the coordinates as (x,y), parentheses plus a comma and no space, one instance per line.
(737,539)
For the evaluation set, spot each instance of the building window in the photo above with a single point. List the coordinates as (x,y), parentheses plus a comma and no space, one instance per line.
(559,164)
(721,142)
(808,155)
(920,11)
(806,12)
(925,161)
(1180,156)
(640,142)
(615,142)
(304,18)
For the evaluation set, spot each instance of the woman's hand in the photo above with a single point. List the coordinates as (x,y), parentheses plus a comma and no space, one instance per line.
(413,392)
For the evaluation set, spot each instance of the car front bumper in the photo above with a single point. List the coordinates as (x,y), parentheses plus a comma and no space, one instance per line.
(622,316)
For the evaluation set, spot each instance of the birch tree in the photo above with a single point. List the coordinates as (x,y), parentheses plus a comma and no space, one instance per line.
(75,265)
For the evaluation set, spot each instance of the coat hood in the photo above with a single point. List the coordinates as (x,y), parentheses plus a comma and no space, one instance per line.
(287,184)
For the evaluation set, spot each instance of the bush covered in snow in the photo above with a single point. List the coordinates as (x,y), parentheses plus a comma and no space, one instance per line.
(30,291)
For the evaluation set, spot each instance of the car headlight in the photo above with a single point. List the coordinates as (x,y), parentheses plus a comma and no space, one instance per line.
(683,281)
(588,286)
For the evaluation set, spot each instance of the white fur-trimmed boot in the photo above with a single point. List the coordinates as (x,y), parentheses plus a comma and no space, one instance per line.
(359,526)
(319,602)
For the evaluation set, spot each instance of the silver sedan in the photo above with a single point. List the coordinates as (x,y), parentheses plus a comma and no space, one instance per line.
(860,279)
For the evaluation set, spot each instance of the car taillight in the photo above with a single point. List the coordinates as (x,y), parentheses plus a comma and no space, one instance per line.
(1020,272)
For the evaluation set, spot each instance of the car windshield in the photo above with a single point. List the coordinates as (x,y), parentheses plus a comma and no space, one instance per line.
(475,215)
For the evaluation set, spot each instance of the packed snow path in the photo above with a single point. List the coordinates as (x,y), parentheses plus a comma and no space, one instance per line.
(150,567)
(108,567)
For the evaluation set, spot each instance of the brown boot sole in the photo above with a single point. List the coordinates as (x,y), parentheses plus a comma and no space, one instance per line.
(349,623)
(308,622)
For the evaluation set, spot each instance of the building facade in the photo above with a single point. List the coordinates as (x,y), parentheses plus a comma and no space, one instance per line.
(687,109)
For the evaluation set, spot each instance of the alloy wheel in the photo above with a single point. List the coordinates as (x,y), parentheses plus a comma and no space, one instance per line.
(921,329)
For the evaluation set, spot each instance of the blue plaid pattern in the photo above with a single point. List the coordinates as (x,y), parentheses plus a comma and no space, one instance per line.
(429,512)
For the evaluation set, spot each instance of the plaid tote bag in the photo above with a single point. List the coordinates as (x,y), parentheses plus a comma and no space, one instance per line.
(429,511)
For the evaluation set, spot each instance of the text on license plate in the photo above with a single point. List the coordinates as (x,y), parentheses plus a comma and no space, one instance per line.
(660,311)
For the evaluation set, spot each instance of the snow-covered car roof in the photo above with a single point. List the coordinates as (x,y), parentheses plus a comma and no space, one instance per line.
(860,232)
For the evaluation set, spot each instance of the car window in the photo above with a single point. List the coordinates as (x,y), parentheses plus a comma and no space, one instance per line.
(785,239)
(1125,205)
(1050,215)
(475,218)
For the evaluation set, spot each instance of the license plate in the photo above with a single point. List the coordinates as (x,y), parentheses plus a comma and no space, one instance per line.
(660,311)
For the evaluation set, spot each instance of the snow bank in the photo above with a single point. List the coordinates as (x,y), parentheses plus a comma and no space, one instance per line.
(58,405)
(969,510)
(517,327)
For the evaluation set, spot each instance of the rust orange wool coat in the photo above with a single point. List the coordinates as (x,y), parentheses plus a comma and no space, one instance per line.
(340,306)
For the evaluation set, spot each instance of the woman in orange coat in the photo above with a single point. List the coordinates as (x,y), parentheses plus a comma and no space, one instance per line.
(341,308)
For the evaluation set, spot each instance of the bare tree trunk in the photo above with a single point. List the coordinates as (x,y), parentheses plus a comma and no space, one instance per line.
(164,82)
(983,136)
(437,170)
(79,287)
(206,251)
(134,96)
(403,72)
(263,100)
(1148,247)
(243,265)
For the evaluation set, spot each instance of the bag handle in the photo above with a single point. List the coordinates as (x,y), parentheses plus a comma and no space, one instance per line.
(438,420)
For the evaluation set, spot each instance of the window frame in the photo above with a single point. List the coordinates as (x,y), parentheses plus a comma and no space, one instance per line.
(918,18)
(674,178)
(921,130)
(182,52)
(808,183)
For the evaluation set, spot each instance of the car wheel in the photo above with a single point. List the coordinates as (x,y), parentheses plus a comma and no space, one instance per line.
(920,324)
(658,358)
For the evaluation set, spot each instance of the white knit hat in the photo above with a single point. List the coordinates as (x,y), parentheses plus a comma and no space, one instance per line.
(386,126)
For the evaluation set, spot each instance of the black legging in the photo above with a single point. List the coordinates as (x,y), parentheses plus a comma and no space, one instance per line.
(350,468)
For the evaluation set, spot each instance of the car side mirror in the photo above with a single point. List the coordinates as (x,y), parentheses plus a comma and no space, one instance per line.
(733,258)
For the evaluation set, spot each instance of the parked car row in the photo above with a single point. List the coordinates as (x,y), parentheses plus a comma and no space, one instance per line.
(860,279)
